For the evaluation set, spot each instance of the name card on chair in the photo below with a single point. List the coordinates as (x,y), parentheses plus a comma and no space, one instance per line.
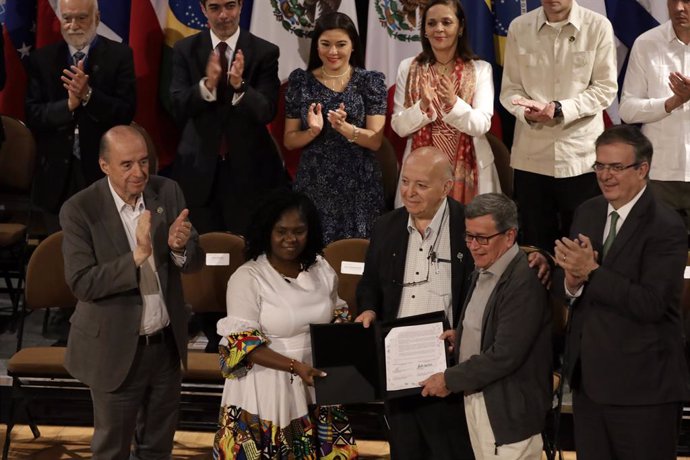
(219,259)
(351,268)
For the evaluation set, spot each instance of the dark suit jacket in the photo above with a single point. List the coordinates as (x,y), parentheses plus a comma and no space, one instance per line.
(110,67)
(380,287)
(253,158)
(514,367)
(626,331)
(3,77)
(100,271)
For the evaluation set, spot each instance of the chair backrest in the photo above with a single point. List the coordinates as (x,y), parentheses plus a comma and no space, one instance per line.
(150,147)
(205,290)
(17,157)
(348,250)
(388,163)
(502,162)
(45,277)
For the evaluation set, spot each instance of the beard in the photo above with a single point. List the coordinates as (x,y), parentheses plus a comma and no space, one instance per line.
(79,39)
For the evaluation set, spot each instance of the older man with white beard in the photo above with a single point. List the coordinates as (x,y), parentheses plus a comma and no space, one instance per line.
(78,89)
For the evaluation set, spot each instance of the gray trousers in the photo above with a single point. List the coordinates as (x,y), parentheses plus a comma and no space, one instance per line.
(144,409)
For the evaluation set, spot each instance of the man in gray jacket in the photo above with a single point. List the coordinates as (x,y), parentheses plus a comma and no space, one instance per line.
(504,334)
(126,242)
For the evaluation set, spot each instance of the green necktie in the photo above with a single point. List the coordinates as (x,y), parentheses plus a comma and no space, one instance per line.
(612,232)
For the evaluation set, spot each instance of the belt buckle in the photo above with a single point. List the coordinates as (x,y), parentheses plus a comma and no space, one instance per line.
(156,337)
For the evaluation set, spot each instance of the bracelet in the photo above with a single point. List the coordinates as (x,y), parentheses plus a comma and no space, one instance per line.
(355,133)
(87,97)
(292,370)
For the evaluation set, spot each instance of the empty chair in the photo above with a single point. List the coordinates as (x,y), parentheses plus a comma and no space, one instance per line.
(40,366)
(352,250)
(205,291)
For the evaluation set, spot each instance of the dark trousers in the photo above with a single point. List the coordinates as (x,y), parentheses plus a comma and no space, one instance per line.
(144,409)
(676,194)
(227,209)
(425,428)
(607,432)
(230,206)
(546,205)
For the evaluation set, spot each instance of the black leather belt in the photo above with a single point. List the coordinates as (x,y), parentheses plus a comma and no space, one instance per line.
(156,337)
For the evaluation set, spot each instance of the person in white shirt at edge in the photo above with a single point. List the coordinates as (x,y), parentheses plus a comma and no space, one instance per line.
(503,340)
(558,77)
(656,92)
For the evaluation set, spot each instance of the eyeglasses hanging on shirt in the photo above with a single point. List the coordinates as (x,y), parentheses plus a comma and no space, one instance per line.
(433,259)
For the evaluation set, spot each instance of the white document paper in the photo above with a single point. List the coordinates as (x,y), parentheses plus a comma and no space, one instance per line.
(351,268)
(218,259)
(687,273)
(413,353)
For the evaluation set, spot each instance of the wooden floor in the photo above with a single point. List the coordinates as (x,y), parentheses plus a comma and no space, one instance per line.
(58,443)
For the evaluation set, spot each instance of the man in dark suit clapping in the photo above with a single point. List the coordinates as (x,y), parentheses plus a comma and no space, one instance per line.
(622,269)
(224,91)
(78,89)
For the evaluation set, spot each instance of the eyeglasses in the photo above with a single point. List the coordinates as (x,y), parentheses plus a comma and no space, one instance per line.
(481,240)
(432,259)
(613,168)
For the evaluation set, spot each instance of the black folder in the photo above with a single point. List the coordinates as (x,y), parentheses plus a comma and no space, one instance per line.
(354,359)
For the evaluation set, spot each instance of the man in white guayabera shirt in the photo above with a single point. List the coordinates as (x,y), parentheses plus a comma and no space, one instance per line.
(656,93)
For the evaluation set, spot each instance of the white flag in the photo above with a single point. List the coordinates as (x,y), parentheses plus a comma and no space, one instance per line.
(288,24)
(392,35)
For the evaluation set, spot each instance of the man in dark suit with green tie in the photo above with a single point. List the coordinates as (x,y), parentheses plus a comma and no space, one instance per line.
(622,270)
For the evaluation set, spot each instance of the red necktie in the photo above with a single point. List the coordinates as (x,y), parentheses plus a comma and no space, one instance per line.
(222,88)
(221,92)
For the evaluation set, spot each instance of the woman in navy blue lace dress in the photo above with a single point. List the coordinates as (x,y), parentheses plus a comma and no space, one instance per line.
(335,112)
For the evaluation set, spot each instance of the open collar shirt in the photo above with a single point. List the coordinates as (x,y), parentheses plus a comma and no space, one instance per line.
(487,279)
(154,312)
(434,294)
(574,64)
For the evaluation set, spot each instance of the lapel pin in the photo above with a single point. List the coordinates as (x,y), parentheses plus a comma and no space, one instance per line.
(159,210)
(460,256)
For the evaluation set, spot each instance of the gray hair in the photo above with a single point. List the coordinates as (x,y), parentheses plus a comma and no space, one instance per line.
(92,3)
(497,205)
(632,136)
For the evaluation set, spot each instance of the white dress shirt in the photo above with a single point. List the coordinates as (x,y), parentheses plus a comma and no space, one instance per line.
(210,96)
(154,314)
(623,213)
(574,64)
(656,54)
(434,294)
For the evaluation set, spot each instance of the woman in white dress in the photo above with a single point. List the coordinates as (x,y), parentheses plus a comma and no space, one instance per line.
(444,97)
(267,409)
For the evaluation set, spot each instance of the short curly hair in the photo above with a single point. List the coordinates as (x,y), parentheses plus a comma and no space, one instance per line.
(269,211)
